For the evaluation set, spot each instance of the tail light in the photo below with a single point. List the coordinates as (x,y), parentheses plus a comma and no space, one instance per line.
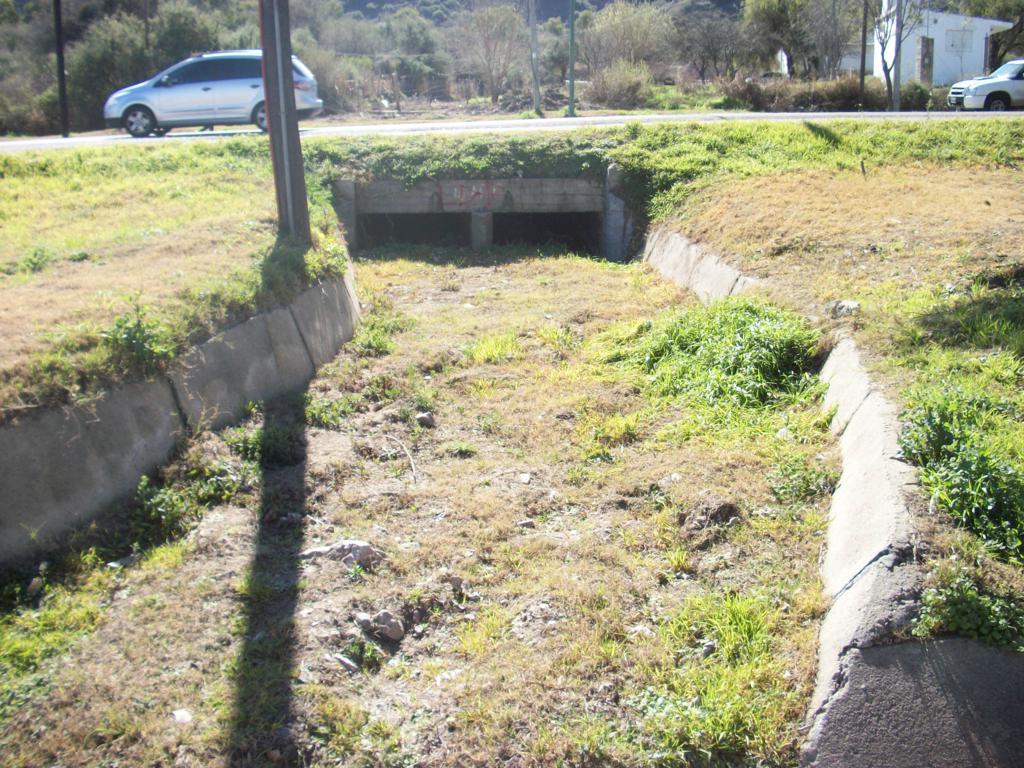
(303,85)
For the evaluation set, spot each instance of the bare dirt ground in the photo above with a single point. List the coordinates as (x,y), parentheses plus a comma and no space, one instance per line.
(543,550)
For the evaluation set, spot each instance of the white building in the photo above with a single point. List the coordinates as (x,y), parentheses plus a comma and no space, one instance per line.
(941,47)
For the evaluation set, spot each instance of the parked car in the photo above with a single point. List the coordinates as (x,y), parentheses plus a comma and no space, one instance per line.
(1002,90)
(221,87)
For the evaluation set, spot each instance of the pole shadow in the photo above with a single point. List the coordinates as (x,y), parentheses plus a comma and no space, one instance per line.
(261,731)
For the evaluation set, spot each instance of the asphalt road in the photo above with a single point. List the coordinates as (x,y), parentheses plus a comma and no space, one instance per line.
(396,128)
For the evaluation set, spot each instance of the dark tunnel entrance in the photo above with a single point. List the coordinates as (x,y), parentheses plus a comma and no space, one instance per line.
(450,229)
(578,232)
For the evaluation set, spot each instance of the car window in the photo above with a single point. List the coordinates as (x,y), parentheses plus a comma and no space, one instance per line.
(199,72)
(242,69)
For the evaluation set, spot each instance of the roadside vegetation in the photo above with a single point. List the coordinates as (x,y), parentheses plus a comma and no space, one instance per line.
(933,265)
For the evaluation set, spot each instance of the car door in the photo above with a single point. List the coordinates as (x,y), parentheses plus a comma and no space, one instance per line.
(1016,88)
(186,94)
(241,88)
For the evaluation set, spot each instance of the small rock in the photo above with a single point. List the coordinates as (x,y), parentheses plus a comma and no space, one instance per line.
(842,308)
(346,662)
(274,755)
(425,419)
(783,434)
(527,523)
(525,478)
(364,621)
(351,552)
(182,716)
(387,625)
(708,648)
(34,588)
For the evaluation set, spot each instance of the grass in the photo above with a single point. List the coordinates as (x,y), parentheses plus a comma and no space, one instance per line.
(931,262)
(203,212)
(596,592)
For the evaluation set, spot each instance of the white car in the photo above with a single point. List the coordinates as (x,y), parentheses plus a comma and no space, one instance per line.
(222,87)
(1002,90)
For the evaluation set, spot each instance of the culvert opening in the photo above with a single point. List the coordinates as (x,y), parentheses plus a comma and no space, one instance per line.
(578,232)
(433,228)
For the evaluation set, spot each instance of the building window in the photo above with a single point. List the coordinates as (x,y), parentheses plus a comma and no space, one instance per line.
(959,40)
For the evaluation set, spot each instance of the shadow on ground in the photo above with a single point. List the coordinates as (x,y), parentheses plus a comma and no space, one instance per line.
(261,728)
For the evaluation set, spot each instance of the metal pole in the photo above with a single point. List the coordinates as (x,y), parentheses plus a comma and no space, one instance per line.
(863,53)
(282,120)
(534,64)
(62,86)
(898,62)
(572,58)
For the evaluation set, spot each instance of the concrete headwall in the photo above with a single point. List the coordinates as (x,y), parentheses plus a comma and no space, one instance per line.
(879,700)
(60,468)
(482,198)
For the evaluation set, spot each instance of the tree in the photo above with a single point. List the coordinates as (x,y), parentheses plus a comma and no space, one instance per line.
(711,42)
(534,56)
(490,40)
(554,49)
(1002,44)
(623,31)
(887,26)
(180,31)
(778,25)
(832,24)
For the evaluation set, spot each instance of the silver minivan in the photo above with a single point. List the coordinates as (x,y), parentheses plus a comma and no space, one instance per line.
(222,87)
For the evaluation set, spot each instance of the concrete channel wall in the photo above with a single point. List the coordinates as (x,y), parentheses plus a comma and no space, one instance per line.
(482,199)
(60,468)
(880,699)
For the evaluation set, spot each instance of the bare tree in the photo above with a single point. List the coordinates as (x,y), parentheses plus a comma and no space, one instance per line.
(711,42)
(627,32)
(489,40)
(887,25)
(832,25)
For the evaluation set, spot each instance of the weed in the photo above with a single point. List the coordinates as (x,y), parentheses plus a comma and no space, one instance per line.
(459,449)
(330,414)
(735,350)
(269,446)
(162,512)
(137,343)
(559,338)
(494,348)
(374,337)
(794,478)
(337,724)
(679,561)
(364,653)
(957,605)
(478,637)
(983,492)
(36,261)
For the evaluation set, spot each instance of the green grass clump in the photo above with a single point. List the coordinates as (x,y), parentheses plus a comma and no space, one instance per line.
(137,343)
(959,606)
(460,449)
(494,348)
(330,413)
(270,445)
(374,336)
(734,351)
(795,479)
(945,435)
(729,695)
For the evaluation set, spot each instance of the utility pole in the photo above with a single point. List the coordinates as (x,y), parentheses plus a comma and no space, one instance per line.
(282,121)
(62,86)
(572,58)
(898,57)
(534,63)
(863,53)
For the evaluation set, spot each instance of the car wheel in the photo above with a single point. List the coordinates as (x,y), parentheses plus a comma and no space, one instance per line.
(139,122)
(997,104)
(259,116)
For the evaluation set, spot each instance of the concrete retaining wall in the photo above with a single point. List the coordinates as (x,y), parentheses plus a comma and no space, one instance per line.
(878,701)
(62,467)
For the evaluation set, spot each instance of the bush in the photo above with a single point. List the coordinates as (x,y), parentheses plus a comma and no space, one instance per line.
(623,85)
(841,95)
(915,97)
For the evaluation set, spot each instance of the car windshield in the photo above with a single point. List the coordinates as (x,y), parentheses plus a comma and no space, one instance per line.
(1011,69)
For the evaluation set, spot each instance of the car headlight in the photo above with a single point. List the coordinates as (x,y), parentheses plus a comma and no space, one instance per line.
(970,89)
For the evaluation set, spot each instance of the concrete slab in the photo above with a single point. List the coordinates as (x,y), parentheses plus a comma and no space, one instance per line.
(713,279)
(673,256)
(62,466)
(326,316)
(848,383)
(950,703)
(262,358)
(497,195)
(481,230)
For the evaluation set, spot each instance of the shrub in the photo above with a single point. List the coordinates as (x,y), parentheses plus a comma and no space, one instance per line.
(137,343)
(623,85)
(961,607)
(840,95)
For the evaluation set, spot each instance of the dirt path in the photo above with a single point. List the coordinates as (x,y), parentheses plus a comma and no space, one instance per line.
(582,573)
